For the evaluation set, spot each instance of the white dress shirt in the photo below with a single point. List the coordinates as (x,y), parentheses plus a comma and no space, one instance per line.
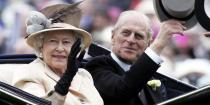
(153,55)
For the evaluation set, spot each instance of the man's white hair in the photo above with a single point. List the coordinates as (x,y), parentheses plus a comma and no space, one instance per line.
(133,14)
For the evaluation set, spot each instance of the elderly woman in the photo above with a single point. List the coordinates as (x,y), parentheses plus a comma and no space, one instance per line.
(54,75)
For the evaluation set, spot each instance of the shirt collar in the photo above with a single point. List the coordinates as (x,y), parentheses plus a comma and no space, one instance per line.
(123,65)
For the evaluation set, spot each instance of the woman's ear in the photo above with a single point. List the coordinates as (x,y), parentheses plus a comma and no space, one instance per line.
(40,53)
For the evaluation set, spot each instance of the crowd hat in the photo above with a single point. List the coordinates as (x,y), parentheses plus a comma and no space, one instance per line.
(182,10)
(58,17)
(202,12)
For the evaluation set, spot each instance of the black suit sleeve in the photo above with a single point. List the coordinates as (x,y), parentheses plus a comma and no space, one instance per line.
(114,85)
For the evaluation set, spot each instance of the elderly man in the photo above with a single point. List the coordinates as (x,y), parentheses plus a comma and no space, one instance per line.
(121,76)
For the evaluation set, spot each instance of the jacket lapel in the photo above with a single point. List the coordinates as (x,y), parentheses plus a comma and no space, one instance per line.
(51,74)
(117,67)
(158,95)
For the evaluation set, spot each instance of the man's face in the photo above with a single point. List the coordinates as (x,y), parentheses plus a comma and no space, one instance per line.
(130,40)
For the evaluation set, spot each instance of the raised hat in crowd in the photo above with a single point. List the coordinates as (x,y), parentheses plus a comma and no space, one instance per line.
(182,10)
(56,17)
(202,12)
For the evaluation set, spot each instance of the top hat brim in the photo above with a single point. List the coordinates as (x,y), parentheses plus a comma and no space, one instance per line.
(201,15)
(162,15)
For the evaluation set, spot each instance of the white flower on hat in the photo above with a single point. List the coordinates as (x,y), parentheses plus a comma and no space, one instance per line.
(154,84)
(36,22)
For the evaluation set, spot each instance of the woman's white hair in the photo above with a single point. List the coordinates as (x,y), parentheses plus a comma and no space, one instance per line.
(38,45)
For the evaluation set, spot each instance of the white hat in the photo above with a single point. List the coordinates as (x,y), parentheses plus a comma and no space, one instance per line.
(201,66)
(146,7)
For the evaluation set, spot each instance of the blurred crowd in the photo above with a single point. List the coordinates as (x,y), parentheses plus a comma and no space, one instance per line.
(187,58)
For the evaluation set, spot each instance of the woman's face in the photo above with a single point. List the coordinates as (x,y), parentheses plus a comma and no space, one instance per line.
(56,48)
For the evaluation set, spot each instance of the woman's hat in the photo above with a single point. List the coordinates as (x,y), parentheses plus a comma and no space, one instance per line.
(182,10)
(57,17)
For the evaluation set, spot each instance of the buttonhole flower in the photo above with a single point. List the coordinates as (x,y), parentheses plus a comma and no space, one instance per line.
(154,84)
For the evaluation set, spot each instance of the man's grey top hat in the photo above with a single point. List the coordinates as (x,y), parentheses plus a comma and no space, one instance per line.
(202,13)
(182,10)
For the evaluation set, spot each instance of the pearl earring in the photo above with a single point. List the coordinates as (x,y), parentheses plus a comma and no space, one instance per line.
(41,55)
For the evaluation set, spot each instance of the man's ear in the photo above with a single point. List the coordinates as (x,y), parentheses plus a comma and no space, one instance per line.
(149,43)
(112,37)
(150,40)
(113,34)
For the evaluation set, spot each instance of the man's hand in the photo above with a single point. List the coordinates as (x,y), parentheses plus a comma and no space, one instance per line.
(167,29)
(63,84)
